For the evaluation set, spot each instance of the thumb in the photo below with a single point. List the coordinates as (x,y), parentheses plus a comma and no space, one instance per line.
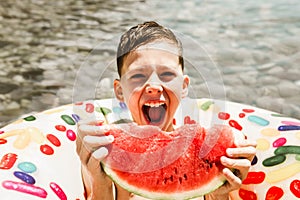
(95,159)
(100,184)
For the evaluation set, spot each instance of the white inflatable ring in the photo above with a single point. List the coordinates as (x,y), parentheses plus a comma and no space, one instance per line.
(38,158)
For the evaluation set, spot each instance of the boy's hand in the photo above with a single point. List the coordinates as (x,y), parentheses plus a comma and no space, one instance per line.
(91,148)
(239,159)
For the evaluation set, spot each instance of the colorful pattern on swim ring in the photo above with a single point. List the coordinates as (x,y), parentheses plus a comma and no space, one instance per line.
(38,157)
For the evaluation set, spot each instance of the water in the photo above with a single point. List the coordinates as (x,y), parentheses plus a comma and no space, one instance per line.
(253,48)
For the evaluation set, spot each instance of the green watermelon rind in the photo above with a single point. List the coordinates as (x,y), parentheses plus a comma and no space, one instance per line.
(209,187)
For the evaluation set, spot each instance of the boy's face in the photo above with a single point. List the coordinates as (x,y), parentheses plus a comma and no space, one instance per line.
(152,85)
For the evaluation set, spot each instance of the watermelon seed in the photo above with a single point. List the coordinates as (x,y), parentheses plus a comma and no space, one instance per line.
(180,180)
(209,164)
(185,176)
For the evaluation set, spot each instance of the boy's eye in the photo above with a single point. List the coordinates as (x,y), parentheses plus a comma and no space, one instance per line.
(137,76)
(167,76)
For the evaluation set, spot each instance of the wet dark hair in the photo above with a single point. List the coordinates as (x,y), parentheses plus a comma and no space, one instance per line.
(143,34)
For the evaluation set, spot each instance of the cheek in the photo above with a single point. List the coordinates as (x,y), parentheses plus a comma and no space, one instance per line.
(176,87)
(128,91)
(133,105)
(132,97)
(174,102)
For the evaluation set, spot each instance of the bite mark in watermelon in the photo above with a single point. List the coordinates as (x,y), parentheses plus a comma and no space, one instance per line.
(166,165)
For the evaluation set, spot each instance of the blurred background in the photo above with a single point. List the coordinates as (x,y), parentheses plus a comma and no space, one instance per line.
(254,45)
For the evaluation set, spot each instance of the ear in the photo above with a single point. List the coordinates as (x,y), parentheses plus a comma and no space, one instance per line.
(118,90)
(185,86)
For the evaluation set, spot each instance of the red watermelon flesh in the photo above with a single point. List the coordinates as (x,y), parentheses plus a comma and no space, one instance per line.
(167,165)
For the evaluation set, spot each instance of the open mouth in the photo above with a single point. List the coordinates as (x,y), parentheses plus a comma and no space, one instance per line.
(154,112)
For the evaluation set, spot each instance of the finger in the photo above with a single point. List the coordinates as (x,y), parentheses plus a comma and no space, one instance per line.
(245,143)
(234,181)
(91,121)
(235,163)
(87,153)
(81,133)
(242,165)
(97,141)
(99,154)
(94,159)
(84,154)
(78,139)
(101,183)
(78,144)
(86,129)
(246,152)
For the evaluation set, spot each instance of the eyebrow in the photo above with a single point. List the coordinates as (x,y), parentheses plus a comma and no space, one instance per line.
(167,67)
(140,68)
(136,69)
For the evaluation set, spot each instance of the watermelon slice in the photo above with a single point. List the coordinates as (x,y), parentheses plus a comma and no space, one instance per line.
(155,164)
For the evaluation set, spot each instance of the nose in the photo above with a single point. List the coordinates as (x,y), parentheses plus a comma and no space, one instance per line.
(153,88)
(153,85)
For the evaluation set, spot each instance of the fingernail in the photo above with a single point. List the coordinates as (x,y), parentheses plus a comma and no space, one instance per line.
(99,123)
(110,138)
(223,159)
(100,153)
(90,128)
(229,152)
(84,121)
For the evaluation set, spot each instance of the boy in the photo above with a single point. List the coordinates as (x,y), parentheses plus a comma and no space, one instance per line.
(152,84)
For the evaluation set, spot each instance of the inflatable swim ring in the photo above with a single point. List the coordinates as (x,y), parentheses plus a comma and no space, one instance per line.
(38,158)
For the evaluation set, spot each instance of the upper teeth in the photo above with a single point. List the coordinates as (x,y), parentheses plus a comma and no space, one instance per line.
(154,104)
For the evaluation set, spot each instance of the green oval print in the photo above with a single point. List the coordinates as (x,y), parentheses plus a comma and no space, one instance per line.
(29,118)
(68,119)
(205,106)
(274,160)
(289,149)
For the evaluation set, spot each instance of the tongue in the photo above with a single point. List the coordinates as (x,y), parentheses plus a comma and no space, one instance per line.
(155,113)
